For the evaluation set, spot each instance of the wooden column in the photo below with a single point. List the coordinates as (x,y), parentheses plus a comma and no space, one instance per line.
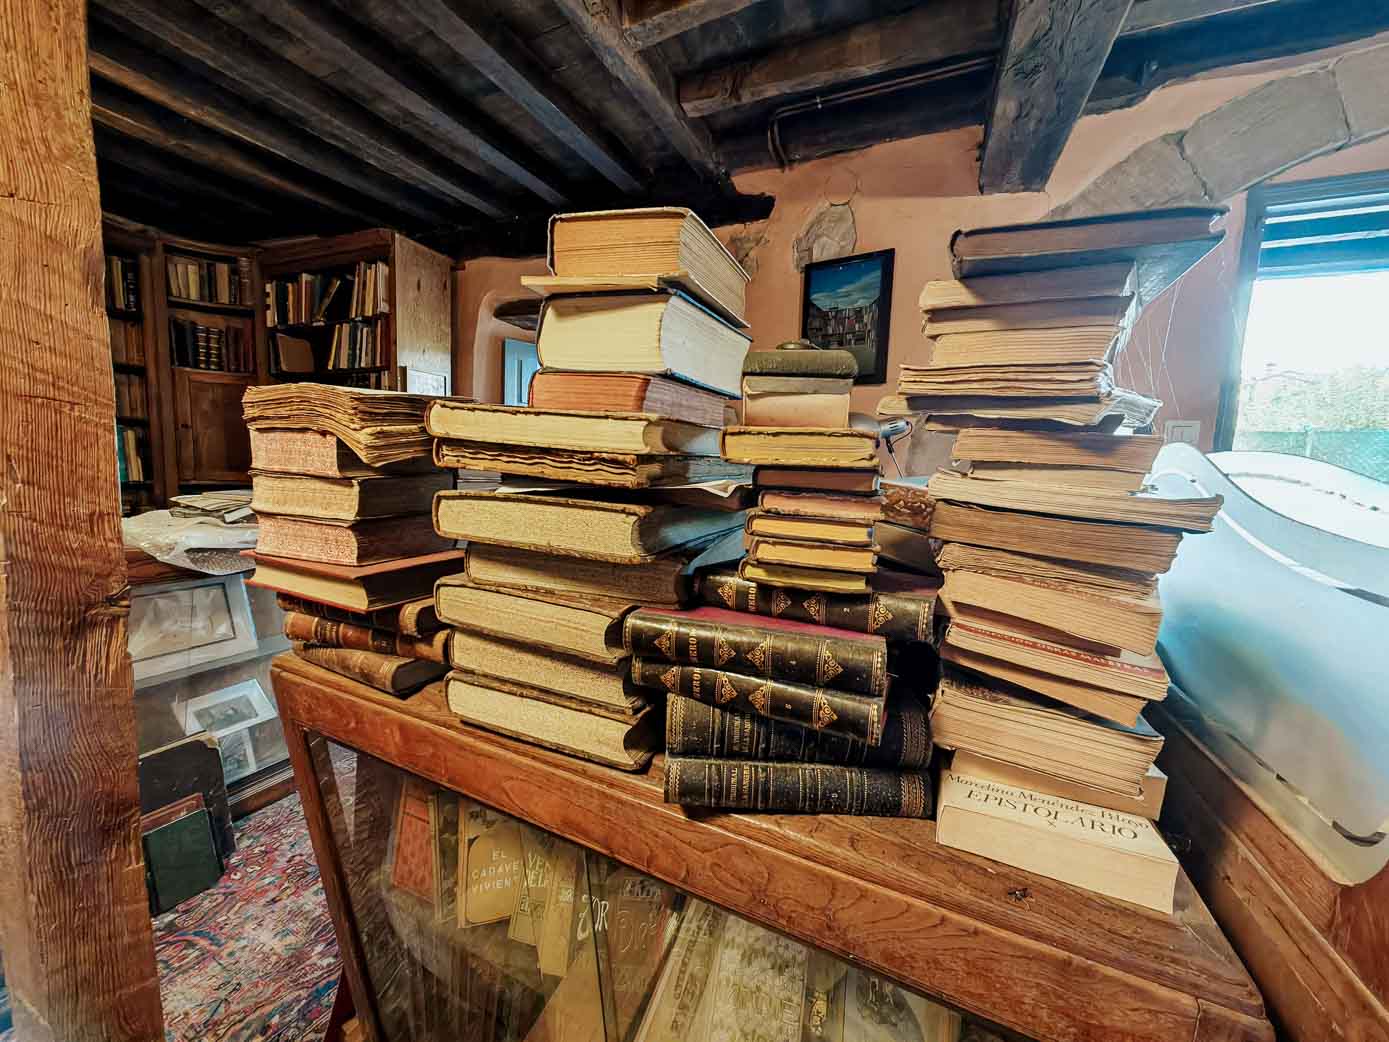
(74,922)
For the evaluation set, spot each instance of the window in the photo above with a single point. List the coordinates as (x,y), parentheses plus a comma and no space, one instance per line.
(1313,376)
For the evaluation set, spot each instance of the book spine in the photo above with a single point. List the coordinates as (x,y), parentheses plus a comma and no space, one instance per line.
(889,615)
(334,633)
(696,729)
(797,788)
(371,668)
(382,618)
(819,709)
(797,658)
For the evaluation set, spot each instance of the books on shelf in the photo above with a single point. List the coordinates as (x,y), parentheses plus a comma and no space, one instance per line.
(209,281)
(131,403)
(127,340)
(355,346)
(130,454)
(122,283)
(323,298)
(226,348)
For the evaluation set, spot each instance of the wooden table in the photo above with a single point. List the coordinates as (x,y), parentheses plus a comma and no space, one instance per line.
(1037,956)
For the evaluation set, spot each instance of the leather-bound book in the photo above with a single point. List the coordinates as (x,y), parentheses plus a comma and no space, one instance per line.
(797,788)
(312,629)
(361,588)
(627,392)
(899,608)
(773,649)
(350,543)
(389,673)
(416,618)
(818,708)
(697,729)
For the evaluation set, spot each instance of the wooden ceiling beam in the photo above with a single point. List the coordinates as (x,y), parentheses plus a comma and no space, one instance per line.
(502,58)
(114,56)
(138,119)
(648,22)
(937,32)
(320,110)
(163,174)
(646,78)
(291,28)
(1052,55)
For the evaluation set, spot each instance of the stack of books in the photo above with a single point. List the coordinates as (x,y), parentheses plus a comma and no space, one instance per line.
(350,544)
(613,484)
(1050,548)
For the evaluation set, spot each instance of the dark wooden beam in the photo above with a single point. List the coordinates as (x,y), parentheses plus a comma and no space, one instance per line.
(116,55)
(322,111)
(648,22)
(1150,15)
(136,118)
(164,173)
(647,79)
(1052,55)
(934,33)
(304,35)
(490,47)
(74,916)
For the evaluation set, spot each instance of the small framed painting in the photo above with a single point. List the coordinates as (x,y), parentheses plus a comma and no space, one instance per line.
(847,303)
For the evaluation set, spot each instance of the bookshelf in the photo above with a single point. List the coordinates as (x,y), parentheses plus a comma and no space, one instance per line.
(360,309)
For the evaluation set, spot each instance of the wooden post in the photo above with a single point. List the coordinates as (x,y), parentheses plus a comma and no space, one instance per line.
(74,921)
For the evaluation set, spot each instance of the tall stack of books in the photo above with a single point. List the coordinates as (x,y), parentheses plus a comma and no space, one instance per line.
(342,487)
(613,483)
(1050,548)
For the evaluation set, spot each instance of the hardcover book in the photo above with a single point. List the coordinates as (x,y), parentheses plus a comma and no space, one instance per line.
(316,454)
(813,530)
(1135,452)
(664,580)
(1068,477)
(1089,381)
(899,608)
(698,729)
(332,633)
(820,555)
(796,788)
(800,446)
(415,618)
(380,427)
(1072,313)
(627,393)
(804,362)
(392,674)
(524,663)
(953,410)
(860,717)
(1024,348)
(614,469)
(570,430)
(586,627)
(858,480)
(1098,578)
(1116,279)
(362,588)
(349,542)
(1112,853)
(345,499)
(821,580)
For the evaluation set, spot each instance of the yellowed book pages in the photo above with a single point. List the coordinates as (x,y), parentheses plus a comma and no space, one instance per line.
(1077,313)
(525,663)
(587,628)
(799,447)
(810,529)
(1107,851)
(803,578)
(795,410)
(576,431)
(1024,347)
(1066,477)
(345,499)
(1085,379)
(1096,578)
(1132,452)
(1147,804)
(825,556)
(1094,280)
(1123,709)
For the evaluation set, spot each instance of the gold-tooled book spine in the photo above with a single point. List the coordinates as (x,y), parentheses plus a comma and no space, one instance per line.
(765,651)
(892,616)
(797,788)
(820,709)
(338,634)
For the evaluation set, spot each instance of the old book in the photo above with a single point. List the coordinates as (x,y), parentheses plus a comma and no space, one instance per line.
(351,542)
(362,588)
(1116,279)
(800,447)
(670,243)
(861,509)
(908,502)
(664,580)
(1125,622)
(1106,851)
(858,480)
(1140,675)
(775,649)
(900,606)
(1026,347)
(999,720)
(181,859)
(809,529)
(379,427)
(1006,563)
(697,728)
(798,362)
(523,663)
(860,717)
(642,914)
(1147,804)
(623,740)
(572,431)
(757,986)
(878,1010)
(1088,380)
(818,579)
(492,870)
(313,629)
(794,409)
(1070,313)
(1134,453)
(618,470)
(318,454)
(1067,477)
(1098,701)
(627,393)
(1194,514)
(797,788)
(821,556)
(411,852)
(1138,548)
(624,533)
(949,412)
(586,626)
(1163,244)
(677,1008)
(346,499)
(389,673)
(665,334)
(799,386)
(906,547)
(415,618)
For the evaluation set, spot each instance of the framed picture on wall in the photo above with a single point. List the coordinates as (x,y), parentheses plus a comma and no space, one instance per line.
(847,303)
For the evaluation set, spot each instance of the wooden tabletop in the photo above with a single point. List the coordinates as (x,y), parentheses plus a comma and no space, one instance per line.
(1046,959)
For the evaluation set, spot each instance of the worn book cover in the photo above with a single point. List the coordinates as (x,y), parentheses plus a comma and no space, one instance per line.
(349,543)
(314,629)
(389,673)
(491,865)
(796,788)
(627,392)
(677,1009)
(415,618)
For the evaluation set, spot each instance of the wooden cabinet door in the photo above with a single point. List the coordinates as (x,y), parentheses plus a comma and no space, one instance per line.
(213,443)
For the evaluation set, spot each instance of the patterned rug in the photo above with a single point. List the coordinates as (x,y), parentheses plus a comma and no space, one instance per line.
(254,959)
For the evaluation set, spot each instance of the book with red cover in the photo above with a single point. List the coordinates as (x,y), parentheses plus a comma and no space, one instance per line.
(627,392)
(356,588)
